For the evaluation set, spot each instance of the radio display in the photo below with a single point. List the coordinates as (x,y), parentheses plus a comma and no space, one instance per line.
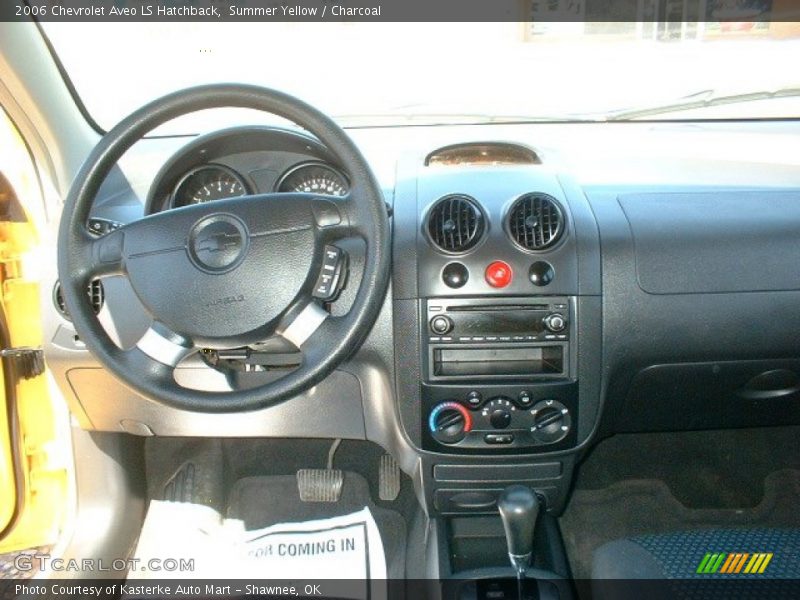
(520,322)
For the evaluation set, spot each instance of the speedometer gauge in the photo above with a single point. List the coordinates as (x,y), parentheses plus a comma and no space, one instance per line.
(314,178)
(208,183)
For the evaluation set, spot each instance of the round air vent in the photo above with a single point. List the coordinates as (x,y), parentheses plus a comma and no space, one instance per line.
(535,221)
(95,293)
(456,223)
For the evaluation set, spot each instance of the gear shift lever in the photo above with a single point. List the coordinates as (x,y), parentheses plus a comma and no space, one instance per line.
(519,508)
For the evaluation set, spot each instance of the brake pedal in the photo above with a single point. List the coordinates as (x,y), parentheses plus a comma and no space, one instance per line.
(320,485)
(388,478)
(180,487)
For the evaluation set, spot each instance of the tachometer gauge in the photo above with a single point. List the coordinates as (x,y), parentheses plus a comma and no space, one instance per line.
(314,178)
(208,183)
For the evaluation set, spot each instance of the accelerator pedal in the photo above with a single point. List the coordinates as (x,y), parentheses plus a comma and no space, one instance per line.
(388,479)
(320,485)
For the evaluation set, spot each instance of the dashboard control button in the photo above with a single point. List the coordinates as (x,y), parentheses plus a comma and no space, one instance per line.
(551,421)
(449,422)
(541,273)
(499,438)
(498,411)
(524,399)
(500,418)
(441,324)
(332,274)
(474,398)
(555,322)
(455,275)
(499,274)
(99,226)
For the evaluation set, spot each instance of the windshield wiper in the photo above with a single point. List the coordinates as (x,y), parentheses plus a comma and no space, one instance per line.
(704,99)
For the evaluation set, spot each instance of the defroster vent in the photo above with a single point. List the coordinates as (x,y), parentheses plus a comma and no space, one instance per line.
(535,222)
(456,223)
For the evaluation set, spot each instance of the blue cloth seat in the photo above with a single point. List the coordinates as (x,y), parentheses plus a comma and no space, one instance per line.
(698,564)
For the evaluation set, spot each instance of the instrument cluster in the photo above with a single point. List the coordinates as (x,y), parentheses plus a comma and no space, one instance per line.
(246,161)
(211,182)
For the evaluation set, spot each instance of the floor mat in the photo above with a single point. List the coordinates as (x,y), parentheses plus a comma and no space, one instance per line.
(703,469)
(263,501)
(640,506)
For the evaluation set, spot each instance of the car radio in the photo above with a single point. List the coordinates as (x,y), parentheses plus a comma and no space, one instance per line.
(489,337)
(498,374)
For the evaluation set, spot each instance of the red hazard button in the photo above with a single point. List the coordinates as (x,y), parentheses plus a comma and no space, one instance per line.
(498,274)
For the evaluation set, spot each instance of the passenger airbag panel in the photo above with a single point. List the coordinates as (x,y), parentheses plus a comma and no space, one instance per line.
(712,242)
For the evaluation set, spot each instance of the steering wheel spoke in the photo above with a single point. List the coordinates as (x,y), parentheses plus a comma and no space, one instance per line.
(164,346)
(302,325)
(323,339)
(136,360)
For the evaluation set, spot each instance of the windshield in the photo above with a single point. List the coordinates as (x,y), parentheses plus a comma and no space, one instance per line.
(440,73)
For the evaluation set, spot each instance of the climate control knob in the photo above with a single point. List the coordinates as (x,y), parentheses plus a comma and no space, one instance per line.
(551,421)
(449,422)
(500,418)
(499,410)
(555,322)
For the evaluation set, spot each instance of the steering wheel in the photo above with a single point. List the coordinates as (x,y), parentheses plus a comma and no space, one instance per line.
(228,273)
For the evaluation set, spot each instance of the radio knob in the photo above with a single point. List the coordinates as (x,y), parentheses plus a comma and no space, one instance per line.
(441,325)
(555,322)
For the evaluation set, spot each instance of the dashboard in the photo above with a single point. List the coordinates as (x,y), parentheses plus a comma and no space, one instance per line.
(551,284)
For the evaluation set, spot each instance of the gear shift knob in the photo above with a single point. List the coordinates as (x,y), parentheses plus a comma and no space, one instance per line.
(519,508)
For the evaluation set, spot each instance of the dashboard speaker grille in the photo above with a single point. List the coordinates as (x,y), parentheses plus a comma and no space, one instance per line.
(535,221)
(455,223)
(95,293)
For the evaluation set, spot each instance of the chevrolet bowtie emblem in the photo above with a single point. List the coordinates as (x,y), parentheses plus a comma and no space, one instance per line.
(219,242)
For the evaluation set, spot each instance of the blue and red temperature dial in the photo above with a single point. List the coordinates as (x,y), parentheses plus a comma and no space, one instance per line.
(449,422)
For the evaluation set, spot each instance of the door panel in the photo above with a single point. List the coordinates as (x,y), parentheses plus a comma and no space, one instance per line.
(35,453)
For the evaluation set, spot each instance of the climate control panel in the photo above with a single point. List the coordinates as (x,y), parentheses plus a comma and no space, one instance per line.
(497,418)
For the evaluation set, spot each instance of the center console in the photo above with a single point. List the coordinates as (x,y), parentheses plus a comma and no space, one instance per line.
(496,313)
(497,321)
(498,375)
